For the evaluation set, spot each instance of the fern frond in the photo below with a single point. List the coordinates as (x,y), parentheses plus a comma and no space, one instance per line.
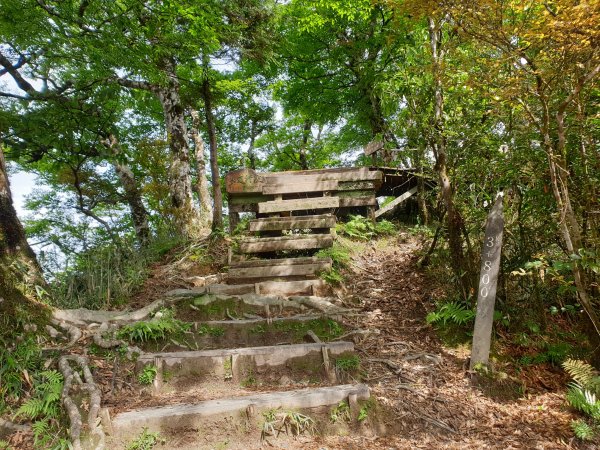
(580,371)
(582,430)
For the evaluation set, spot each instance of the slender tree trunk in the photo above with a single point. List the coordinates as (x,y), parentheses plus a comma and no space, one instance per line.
(180,183)
(214,164)
(133,196)
(206,211)
(302,155)
(250,153)
(13,242)
(454,219)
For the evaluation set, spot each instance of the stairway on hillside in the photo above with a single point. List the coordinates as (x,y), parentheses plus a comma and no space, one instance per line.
(269,360)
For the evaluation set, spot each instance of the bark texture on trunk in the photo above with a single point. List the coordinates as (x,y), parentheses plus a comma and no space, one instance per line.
(133,195)
(251,154)
(302,155)
(214,163)
(454,219)
(13,242)
(206,210)
(180,183)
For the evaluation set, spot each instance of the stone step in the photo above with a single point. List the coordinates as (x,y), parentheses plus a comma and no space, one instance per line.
(192,367)
(292,223)
(203,416)
(293,242)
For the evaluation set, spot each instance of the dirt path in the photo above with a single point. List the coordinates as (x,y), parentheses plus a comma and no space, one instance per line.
(432,398)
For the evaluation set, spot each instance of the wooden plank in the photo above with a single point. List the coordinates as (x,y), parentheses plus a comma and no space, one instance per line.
(243,208)
(298,187)
(282,270)
(394,204)
(295,242)
(279,261)
(292,288)
(358,201)
(341,175)
(301,204)
(373,147)
(244,181)
(347,194)
(248,199)
(292,223)
(356,185)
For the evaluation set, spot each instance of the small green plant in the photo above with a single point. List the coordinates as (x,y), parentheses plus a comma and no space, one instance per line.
(148,375)
(363,413)
(258,329)
(44,409)
(340,412)
(333,277)
(454,312)
(162,325)
(340,255)
(583,396)
(288,422)
(212,331)
(347,363)
(249,381)
(145,441)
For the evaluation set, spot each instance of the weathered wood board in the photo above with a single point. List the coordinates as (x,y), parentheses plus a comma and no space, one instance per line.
(373,147)
(396,202)
(247,181)
(279,261)
(292,223)
(301,204)
(282,270)
(293,242)
(291,288)
(350,202)
(294,187)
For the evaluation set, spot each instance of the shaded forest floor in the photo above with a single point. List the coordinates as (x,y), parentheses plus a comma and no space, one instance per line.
(432,400)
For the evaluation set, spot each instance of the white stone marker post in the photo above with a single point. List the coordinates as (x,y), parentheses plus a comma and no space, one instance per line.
(488,280)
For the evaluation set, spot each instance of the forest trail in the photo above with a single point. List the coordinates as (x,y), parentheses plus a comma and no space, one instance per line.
(420,393)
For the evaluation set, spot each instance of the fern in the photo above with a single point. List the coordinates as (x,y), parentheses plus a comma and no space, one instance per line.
(46,397)
(455,312)
(582,430)
(160,327)
(581,372)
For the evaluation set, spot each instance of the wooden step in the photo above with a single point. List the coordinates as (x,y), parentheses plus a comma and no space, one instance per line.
(233,362)
(292,288)
(350,202)
(278,261)
(297,186)
(127,425)
(280,270)
(301,204)
(293,242)
(292,223)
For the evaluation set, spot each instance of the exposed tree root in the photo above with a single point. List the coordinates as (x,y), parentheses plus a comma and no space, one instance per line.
(72,383)
(7,427)
(74,332)
(82,316)
(102,342)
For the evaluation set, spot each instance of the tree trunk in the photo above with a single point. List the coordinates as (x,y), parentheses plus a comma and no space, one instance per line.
(180,183)
(206,211)
(251,154)
(454,219)
(214,164)
(13,242)
(133,196)
(302,156)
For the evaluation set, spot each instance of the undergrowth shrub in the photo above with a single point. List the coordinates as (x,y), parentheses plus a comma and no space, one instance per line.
(456,312)
(583,394)
(161,326)
(107,275)
(362,228)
